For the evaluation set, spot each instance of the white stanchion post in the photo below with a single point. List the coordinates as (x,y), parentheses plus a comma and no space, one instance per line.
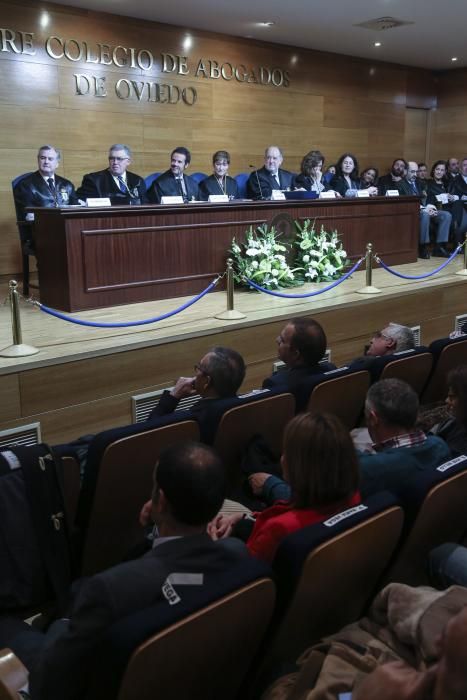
(230,314)
(18,349)
(369,289)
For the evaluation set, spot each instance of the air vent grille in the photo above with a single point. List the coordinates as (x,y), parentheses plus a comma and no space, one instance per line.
(24,435)
(460,322)
(417,334)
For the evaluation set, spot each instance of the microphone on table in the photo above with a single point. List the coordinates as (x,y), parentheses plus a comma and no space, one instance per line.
(258,181)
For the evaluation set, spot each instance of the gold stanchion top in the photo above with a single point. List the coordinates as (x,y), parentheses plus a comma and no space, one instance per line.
(369,247)
(13,284)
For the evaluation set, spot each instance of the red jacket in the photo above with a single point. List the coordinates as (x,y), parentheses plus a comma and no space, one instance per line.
(280,520)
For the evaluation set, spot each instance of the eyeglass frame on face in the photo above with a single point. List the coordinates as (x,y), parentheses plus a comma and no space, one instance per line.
(119,159)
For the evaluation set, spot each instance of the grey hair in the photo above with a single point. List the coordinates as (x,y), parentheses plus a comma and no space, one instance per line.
(394,401)
(402,335)
(121,147)
(47,147)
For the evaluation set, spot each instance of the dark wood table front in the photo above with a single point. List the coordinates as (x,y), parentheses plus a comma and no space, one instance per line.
(95,257)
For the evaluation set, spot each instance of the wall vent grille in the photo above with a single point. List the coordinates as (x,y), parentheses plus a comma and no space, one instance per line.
(24,436)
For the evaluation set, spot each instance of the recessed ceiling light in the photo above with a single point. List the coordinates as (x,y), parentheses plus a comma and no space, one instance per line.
(377,43)
(294,59)
(268,23)
(187,42)
(44,20)
(454,58)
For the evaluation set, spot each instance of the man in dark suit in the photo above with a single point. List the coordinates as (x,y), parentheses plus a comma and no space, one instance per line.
(174,182)
(301,346)
(218,376)
(189,485)
(116,182)
(43,188)
(270,177)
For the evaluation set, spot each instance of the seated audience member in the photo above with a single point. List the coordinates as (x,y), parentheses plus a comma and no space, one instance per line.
(43,188)
(395,179)
(189,487)
(174,182)
(422,171)
(369,180)
(346,179)
(320,465)
(452,168)
(270,177)
(310,177)
(431,212)
(301,346)
(400,452)
(115,182)
(329,174)
(393,338)
(454,429)
(219,182)
(458,186)
(218,375)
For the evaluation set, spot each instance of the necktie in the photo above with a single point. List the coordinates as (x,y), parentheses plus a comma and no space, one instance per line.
(122,184)
(51,184)
(414,187)
(181,183)
(276,176)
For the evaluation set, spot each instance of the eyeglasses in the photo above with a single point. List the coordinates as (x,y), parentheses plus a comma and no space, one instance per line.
(118,158)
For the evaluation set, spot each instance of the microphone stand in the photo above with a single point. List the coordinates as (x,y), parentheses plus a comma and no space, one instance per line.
(259,183)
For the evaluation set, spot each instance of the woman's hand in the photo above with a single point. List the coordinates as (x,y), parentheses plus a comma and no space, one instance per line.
(222,525)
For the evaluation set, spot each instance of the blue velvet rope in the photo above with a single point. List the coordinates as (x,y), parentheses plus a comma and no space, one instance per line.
(420,277)
(128,324)
(308,294)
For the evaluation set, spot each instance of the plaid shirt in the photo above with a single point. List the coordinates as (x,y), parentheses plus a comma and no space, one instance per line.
(417,437)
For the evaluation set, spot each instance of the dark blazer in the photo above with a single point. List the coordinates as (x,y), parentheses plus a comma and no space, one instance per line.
(386,183)
(295,380)
(340,184)
(102,184)
(457,185)
(65,667)
(307,182)
(33,191)
(267,183)
(206,412)
(167,186)
(211,186)
(434,188)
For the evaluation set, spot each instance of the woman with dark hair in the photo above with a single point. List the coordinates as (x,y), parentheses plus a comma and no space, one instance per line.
(310,177)
(219,182)
(346,180)
(438,186)
(320,464)
(454,429)
(369,180)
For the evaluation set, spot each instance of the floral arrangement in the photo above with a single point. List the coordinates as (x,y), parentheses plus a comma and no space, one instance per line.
(261,258)
(320,256)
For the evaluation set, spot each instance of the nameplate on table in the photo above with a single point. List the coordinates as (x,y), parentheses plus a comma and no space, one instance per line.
(218,198)
(328,195)
(277,194)
(98,202)
(363,193)
(172,199)
(392,193)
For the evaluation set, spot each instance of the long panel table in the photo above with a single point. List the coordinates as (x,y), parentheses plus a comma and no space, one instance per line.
(96,257)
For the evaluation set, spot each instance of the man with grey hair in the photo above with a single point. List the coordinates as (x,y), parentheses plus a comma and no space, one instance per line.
(262,182)
(116,182)
(393,338)
(43,188)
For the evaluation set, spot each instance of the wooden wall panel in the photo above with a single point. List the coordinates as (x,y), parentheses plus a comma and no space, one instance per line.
(415,134)
(334,103)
